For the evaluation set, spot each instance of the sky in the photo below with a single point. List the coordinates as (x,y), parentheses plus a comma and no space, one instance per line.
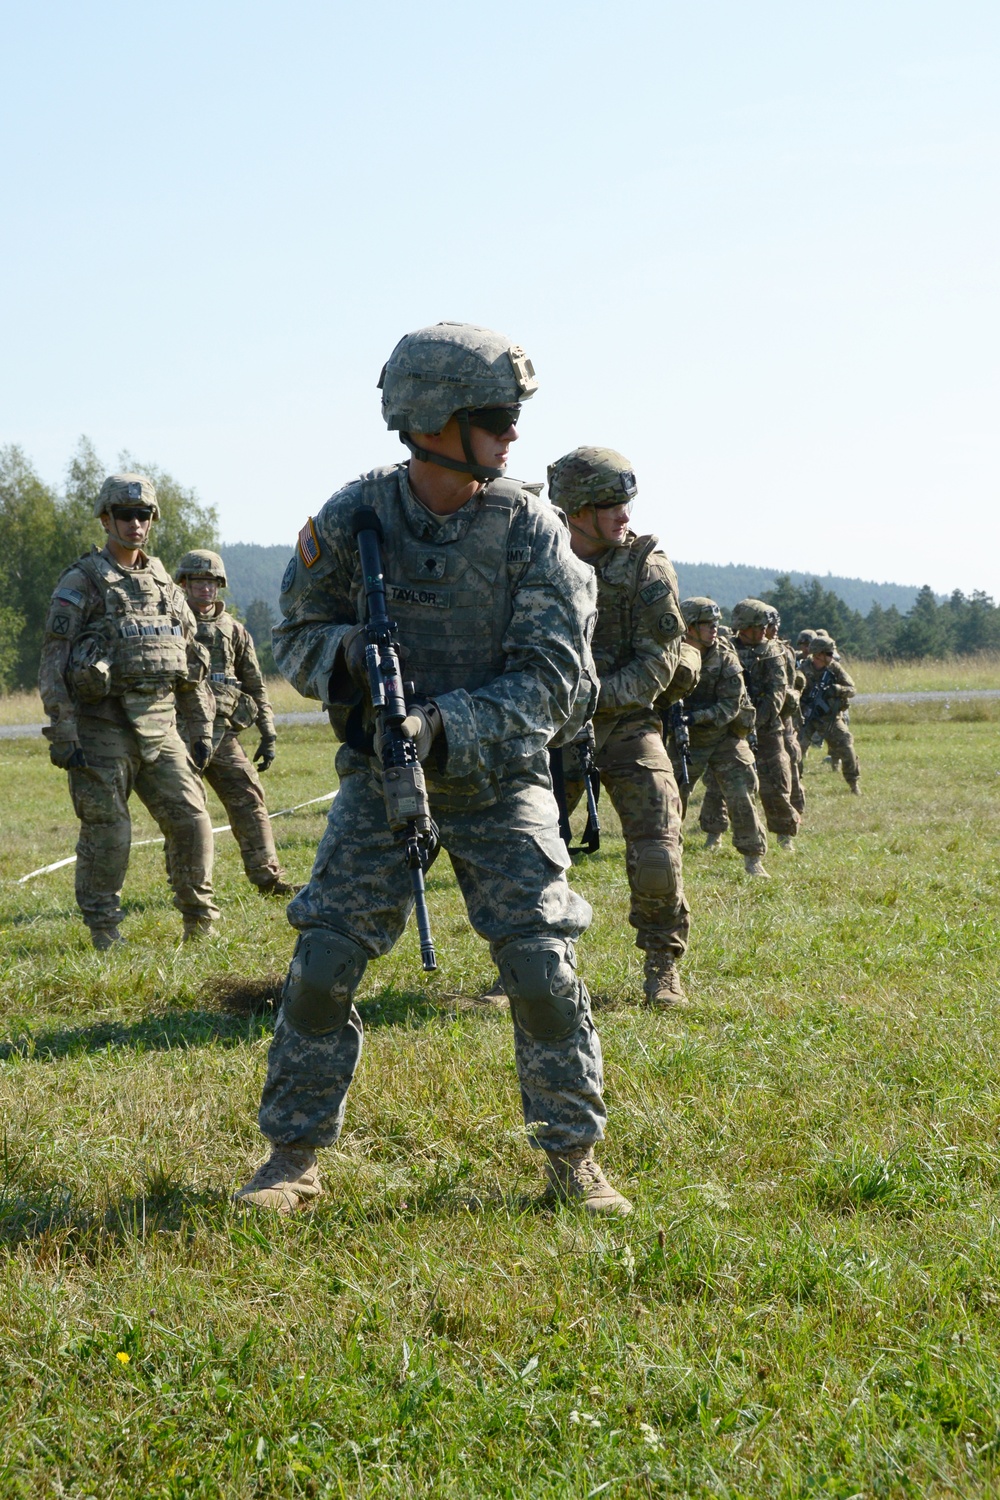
(754,247)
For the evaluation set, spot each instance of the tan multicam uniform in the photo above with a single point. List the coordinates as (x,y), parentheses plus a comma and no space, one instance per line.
(119,661)
(767,684)
(832,726)
(637,645)
(241,701)
(719,717)
(495,613)
(791,719)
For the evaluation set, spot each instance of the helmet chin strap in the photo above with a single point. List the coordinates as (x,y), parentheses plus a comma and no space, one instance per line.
(478,471)
(116,534)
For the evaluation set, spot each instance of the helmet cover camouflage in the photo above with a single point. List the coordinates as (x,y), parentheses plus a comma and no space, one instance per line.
(823,645)
(435,372)
(700,610)
(590,476)
(749,613)
(200,563)
(126,489)
(805,637)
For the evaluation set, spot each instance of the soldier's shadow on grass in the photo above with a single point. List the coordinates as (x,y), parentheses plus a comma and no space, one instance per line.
(52,1214)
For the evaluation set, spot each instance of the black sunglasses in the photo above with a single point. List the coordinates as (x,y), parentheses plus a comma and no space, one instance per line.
(132,512)
(495,419)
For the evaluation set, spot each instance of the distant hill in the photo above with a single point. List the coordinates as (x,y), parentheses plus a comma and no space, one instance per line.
(726,583)
(255,573)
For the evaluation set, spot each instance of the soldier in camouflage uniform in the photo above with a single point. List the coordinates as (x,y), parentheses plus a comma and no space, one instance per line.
(837,695)
(495,614)
(637,645)
(119,657)
(767,684)
(720,716)
(791,716)
(241,700)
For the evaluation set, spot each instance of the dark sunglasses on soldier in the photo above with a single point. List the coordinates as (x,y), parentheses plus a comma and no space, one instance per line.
(132,512)
(495,419)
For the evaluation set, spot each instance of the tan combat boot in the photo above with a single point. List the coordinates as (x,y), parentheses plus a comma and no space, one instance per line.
(575,1177)
(280,887)
(496,996)
(753,866)
(855,789)
(104,938)
(713,841)
(786,841)
(662,986)
(286,1182)
(196,928)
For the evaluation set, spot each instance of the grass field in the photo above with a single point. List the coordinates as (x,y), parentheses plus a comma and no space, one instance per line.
(805,1301)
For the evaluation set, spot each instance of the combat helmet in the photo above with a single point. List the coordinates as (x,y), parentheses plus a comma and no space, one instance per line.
(200,563)
(449,370)
(126,489)
(591,476)
(805,638)
(700,610)
(750,612)
(823,643)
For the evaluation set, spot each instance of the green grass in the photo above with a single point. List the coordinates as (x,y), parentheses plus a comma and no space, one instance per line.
(804,1302)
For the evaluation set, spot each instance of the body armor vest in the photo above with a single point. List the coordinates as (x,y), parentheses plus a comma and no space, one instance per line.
(706,689)
(452,601)
(143,631)
(217,632)
(617,587)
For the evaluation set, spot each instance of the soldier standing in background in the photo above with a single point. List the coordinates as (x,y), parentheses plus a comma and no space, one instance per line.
(637,647)
(767,684)
(720,716)
(119,656)
(835,692)
(240,700)
(495,613)
(791,716)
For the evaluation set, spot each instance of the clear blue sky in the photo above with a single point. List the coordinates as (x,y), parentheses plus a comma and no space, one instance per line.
(752,245)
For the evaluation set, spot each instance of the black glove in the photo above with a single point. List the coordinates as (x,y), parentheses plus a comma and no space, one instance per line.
(263,756)
(67,755)
(201,753)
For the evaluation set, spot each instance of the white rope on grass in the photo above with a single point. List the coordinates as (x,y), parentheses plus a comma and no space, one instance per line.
(61,864)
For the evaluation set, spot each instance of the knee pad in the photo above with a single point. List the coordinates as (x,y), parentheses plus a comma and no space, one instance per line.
(544,992)
(653,873)
(326,969)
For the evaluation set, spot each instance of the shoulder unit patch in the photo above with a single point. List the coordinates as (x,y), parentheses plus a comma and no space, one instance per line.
(309,544)
(653,591)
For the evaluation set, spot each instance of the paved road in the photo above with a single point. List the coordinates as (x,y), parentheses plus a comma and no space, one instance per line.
(964,695)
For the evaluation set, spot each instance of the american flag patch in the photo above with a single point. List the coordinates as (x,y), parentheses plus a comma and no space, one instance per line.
(309,544)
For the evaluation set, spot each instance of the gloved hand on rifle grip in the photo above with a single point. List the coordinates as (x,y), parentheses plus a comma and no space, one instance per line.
(423,723)
(67,755)
(201,753)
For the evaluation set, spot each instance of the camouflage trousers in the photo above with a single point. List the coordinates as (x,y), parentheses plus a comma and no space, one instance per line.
(774,777)
(791,733)
(510,864)
(637,775)
(840,743)
(234,780)
(171,790)
(727,765)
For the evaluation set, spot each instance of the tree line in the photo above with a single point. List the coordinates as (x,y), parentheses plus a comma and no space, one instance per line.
(960,625)
(43,529)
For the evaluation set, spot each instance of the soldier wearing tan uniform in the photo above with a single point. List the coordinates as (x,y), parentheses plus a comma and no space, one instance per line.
(241,700)
(637,645)
(119,661)
(767,684)
(828,691)
(791,714)
(719,717)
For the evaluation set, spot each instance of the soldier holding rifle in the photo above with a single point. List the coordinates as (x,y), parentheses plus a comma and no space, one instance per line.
(637,647)
(494,615)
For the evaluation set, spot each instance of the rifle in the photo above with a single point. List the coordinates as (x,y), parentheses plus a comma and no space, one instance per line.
(584,745)
(815,702)
(676,723)
(752,736)
(407,808)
